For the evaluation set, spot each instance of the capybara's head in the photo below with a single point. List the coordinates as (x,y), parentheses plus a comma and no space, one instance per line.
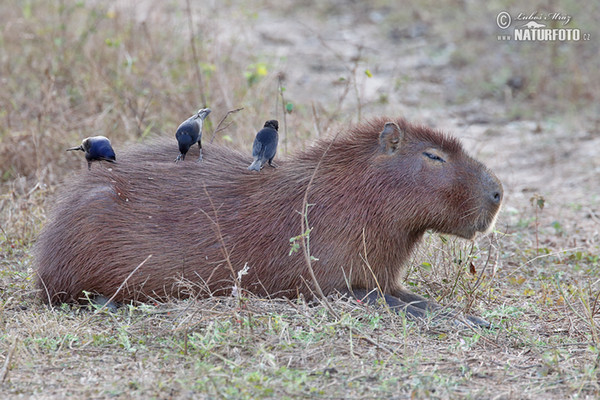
(442,188)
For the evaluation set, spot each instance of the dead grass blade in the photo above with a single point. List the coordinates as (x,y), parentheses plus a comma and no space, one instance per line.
(7,361)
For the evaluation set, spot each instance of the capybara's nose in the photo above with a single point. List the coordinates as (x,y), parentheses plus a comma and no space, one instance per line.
(494,188)
(497,197)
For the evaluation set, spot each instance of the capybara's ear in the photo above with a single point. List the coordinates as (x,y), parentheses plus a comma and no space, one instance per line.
(390,138)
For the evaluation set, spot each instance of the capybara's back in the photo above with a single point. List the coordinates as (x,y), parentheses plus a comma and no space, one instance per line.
(378,188)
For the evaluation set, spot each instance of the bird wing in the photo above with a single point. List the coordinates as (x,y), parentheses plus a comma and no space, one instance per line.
(190,128)
(257,148)
(271,148)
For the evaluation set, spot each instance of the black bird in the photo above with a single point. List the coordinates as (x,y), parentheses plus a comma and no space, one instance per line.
(96,148)
(265,146)
(190,132)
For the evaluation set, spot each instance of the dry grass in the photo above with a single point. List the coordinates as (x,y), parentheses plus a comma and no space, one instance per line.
(127,71)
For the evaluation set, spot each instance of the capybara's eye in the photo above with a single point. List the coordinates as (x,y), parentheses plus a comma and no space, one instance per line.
(434,157)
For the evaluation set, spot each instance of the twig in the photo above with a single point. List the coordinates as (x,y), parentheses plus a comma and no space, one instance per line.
(370,340)
(366,261)
(7,361)
(195,53)
(112,297)
(123,284)
(316,119)
(469,326)
(6,234)
(218,128)
(280,88)
(355,82)
(556,253)
(487,262)
(575,312)
(217,229)
(305,239)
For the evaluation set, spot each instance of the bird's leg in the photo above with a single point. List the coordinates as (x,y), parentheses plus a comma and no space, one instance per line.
(272,164)
(89,165)
(200,150)
(178,157)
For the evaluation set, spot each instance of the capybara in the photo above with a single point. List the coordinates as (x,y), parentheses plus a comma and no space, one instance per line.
(378,187)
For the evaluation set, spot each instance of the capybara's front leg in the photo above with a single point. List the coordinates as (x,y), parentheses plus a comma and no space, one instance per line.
(417,309)
(413,305)
(419,301)
(415,300)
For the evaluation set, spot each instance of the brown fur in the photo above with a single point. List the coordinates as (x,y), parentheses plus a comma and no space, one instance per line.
(371,198)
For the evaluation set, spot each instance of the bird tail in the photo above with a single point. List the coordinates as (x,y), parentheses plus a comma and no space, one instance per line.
(255,166)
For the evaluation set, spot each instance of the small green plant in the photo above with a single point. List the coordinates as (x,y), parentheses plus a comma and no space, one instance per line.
(538,202)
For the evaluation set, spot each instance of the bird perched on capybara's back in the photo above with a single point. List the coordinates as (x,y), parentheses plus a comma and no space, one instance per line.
(96,148)
(189,132)
(265,145)
(379,187)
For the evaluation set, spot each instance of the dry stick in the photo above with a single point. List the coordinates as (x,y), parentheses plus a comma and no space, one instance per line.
(594,308)
(316,119)
(367,263)
(590,311)
(465,322)
(195,53)
(140,120)
(4,370)
(113,296)
(218,128)
(217,229)
(306,250)
(556,253)
(372,341)
(85,321)
(351,71)
(305,239)
(123,284)
(487,262)
(5,235)
(363,335)
(283,104)
(583,318)
(356,91)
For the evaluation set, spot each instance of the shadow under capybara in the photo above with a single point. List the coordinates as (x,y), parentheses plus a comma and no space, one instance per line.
(379,186)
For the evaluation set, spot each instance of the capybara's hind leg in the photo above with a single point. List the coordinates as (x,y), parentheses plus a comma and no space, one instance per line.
(104,302)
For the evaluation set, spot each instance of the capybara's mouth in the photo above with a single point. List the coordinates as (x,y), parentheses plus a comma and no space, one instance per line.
(484,224)
(487,221)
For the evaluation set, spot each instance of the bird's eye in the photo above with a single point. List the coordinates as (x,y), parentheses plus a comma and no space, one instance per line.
(434,157)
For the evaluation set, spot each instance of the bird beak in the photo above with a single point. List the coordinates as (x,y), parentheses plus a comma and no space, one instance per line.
(76,148)
(203,113)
